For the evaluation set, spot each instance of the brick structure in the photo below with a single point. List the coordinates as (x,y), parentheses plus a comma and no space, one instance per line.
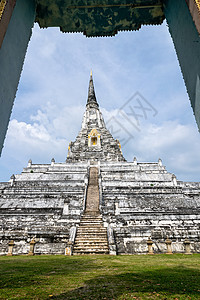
(97,202)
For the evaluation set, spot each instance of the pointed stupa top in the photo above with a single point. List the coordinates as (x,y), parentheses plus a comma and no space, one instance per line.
(94,141)
(91,93)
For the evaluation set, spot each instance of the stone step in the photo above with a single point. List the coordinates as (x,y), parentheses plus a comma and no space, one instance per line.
(99,221)
(89,239)
(101,238)
(90,236)
(97,226)
(90,231)
(94,241)
(89,222)
(91,248)
(90,252)
(89,228)
(92,217)
(95,245)
(87,215)
(92,221)
(93,213)
(91,225)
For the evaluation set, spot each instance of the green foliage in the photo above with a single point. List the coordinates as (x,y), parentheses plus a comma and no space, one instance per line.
(100,277)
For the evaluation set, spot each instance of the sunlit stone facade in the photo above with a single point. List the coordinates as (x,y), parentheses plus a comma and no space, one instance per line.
(43,207)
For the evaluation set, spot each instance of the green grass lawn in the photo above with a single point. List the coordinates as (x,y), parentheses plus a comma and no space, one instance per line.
(100,277)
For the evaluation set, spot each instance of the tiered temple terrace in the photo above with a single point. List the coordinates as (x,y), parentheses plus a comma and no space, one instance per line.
(98,203)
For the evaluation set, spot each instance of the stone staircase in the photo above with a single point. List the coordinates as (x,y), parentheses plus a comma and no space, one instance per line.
(91,236)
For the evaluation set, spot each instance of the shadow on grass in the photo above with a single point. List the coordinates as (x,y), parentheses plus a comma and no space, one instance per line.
(165,283)
(19,272)
(100,277)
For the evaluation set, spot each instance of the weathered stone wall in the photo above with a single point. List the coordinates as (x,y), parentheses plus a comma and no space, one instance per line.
(143,200)
(44,205)
(137,200)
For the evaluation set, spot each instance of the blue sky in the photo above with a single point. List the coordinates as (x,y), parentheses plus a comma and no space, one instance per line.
(52,94)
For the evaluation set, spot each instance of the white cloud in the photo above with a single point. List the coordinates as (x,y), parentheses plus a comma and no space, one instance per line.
(46,136)
(21,131)
(51,130)
(176,143)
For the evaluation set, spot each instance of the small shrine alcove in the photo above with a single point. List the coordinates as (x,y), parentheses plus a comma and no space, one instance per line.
(94,139)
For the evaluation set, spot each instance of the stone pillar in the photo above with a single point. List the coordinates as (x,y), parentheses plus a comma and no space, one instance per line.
(70,243)
(168,243)
(135,161)
(29,163)
(65,209)
(150,248)
(98,140)
(116,208)
(187,247)
(10,248)
(12,180)
(174,180)
(69,248)
(160,162)
(52,162)
(32,247)
(12,54)
(69,151)
(86,180)
(111,241)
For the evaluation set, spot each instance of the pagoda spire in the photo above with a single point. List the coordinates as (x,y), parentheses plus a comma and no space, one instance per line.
(91,93)
(94,141)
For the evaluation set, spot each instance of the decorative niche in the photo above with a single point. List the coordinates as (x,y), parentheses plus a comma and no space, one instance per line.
(94,139)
